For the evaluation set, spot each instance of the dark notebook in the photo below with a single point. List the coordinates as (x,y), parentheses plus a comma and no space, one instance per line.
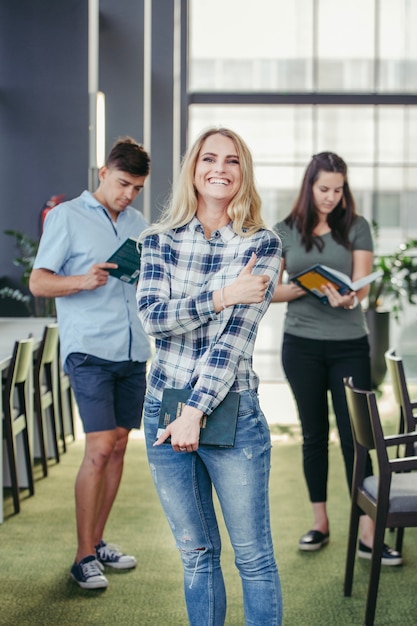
(127,257)
(217,429)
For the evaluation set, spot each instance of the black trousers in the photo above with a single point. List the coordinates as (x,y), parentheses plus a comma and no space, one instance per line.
(313,368)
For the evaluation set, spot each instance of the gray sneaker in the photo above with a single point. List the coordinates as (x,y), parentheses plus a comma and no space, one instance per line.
(109,554)
(87,573)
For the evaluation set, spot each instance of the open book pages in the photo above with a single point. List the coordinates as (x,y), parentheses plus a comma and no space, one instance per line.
(314,278)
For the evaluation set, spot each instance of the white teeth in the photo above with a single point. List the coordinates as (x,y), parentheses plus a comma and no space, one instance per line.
(218,181)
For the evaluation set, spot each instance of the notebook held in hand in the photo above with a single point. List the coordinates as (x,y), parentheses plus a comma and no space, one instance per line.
(127,257)
(217,429)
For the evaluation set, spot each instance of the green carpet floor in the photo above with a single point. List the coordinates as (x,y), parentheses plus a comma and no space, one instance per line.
(37,549)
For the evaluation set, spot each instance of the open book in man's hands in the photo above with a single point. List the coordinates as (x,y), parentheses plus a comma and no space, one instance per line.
(314,278)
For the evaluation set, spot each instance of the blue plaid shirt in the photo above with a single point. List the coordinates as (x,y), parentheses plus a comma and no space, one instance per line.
(195,347)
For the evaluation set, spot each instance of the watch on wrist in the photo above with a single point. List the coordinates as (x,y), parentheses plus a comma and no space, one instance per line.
(354,305)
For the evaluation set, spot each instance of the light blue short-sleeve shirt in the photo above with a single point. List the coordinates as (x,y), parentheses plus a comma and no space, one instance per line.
(102,322)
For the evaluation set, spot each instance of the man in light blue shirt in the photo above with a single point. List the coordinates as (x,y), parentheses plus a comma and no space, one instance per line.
(104,348)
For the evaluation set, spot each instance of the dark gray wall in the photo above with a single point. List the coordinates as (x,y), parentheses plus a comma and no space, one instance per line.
(161,103)
(44,107)
(43,111)
(121,67)
(121,70)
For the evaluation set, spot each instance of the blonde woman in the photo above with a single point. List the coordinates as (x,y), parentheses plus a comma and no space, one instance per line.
(208,273)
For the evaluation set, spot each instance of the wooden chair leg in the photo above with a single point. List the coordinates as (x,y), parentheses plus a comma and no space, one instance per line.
(52,413)
(66,409)
(29,469)
(10,447)
(71,411)
(377,550)
(351,550)
(26,445)
(54,432)
(41,435)
(61,424)
(399,540)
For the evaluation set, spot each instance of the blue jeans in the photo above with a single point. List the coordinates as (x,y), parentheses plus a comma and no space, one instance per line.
(240,476)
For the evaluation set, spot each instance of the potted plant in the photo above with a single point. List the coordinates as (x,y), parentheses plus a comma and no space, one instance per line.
(388,295)
(42,307)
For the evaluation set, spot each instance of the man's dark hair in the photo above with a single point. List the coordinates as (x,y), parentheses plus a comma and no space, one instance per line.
(129,156)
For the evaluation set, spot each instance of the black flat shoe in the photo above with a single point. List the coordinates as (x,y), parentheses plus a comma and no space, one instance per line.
(313,540)
(389,556)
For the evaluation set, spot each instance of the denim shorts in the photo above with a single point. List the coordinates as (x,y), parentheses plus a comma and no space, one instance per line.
(108,393)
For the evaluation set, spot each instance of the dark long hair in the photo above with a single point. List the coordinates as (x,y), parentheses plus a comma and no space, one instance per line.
(304,214)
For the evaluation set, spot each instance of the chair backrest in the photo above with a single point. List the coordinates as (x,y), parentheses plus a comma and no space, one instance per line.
(366,423)
(49,345)
(357,401)
(395,367)
(19,365)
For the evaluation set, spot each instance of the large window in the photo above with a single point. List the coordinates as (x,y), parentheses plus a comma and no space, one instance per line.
(303,45)
(295,78)
(238,45)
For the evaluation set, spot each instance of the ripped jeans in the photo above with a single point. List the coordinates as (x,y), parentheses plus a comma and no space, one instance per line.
(240,476)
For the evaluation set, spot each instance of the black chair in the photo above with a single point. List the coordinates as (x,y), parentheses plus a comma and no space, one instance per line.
(45,386)
(408,408)
(15,415)
(390,498)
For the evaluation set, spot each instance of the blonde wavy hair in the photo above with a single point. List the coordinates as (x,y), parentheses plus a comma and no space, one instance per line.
(244,209)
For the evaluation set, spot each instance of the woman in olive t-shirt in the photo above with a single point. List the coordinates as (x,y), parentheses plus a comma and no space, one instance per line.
(323,343)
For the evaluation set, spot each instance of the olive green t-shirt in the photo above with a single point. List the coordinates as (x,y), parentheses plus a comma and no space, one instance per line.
(307,316)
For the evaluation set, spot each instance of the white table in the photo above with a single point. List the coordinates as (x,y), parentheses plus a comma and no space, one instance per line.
(11,330)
